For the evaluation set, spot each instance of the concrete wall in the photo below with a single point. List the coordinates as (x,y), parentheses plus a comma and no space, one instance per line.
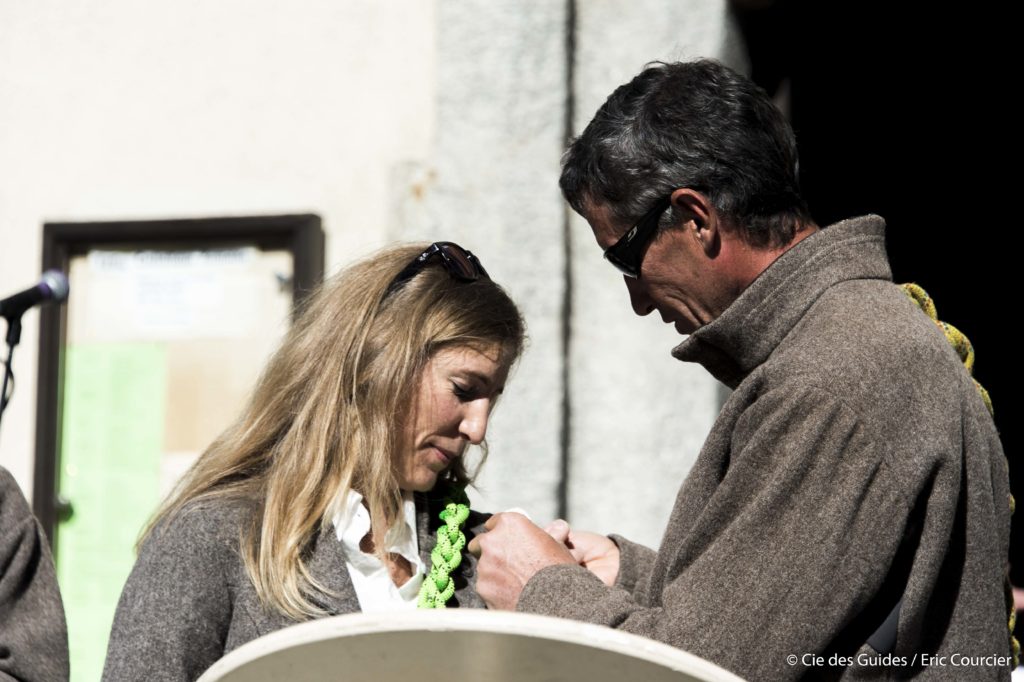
(639,416)
(491,184)
(401,120)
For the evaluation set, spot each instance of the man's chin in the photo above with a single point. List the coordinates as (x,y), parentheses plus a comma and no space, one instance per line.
(685,328)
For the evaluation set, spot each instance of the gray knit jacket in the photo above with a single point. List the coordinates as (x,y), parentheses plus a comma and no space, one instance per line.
(189,600)
(33,632)
(853,468)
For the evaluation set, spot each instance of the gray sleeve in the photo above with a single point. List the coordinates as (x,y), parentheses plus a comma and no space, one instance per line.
(33,632)
(635,563)
(174,614)
(792,544)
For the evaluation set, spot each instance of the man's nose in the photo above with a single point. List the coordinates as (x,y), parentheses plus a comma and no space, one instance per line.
(642,304)
(473,426)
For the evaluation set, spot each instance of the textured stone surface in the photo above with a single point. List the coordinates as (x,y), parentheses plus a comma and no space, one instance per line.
(491,184)
(638,416)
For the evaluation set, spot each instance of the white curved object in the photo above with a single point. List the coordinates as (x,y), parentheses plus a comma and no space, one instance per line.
(491,646)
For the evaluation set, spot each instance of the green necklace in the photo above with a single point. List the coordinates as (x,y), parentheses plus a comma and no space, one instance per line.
(438,586)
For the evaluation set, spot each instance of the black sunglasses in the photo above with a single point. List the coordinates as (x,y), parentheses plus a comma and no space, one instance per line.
(627,253)
(460,264)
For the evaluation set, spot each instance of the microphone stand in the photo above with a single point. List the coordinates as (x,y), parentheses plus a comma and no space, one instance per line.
(52,287)
(13,339)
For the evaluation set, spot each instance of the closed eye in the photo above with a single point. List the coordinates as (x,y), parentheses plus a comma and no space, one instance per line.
(463,393)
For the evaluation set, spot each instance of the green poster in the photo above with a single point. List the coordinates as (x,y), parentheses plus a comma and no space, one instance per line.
(110,451)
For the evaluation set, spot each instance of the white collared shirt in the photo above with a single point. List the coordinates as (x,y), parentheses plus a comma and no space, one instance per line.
(370,578)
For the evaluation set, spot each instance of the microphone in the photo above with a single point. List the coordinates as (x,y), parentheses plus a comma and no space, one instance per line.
(53,286)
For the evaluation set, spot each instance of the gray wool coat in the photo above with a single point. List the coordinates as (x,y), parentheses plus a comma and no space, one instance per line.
(189,601)
(854,467)
(33,632)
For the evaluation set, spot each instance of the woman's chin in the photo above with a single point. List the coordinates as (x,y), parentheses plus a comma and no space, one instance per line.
(420,484)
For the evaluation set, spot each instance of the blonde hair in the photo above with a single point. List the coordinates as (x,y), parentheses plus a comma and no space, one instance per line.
(326,415)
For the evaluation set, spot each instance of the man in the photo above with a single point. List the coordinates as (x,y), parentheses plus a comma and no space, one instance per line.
(848,515)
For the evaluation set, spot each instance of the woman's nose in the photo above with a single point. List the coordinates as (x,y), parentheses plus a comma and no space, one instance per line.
(474,421)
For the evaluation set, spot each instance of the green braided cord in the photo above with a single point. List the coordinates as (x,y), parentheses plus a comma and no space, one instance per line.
(438,586)
(921,298)
(960,343)
(965,350)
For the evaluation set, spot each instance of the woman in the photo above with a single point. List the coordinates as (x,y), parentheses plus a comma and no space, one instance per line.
(324,496)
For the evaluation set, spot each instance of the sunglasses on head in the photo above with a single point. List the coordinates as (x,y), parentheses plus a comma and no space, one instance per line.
(459,262)
(627,253)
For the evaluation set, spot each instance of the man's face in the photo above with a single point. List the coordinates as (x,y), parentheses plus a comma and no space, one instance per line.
(675,276)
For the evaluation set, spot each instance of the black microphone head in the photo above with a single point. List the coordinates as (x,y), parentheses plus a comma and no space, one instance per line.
(57,282)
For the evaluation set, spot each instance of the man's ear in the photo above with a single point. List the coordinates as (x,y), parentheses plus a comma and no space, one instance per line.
(699,218)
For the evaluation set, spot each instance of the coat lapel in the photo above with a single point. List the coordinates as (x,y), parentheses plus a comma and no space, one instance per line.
(327,565)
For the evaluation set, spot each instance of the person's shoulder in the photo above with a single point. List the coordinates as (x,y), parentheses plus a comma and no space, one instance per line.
(866,343)
(864,349)
(202,526)
(178,603)
(12,500)
(7,481)
(867,319)
(199,546)
(18,526)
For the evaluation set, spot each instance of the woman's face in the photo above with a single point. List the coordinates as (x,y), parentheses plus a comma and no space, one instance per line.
(456,392)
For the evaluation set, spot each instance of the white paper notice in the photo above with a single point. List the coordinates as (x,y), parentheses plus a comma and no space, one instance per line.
(169,295)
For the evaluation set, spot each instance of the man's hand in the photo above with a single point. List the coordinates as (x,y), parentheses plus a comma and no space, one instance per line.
(594,552)
(510,553)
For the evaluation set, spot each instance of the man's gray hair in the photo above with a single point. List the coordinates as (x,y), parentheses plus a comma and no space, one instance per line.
(690,124)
